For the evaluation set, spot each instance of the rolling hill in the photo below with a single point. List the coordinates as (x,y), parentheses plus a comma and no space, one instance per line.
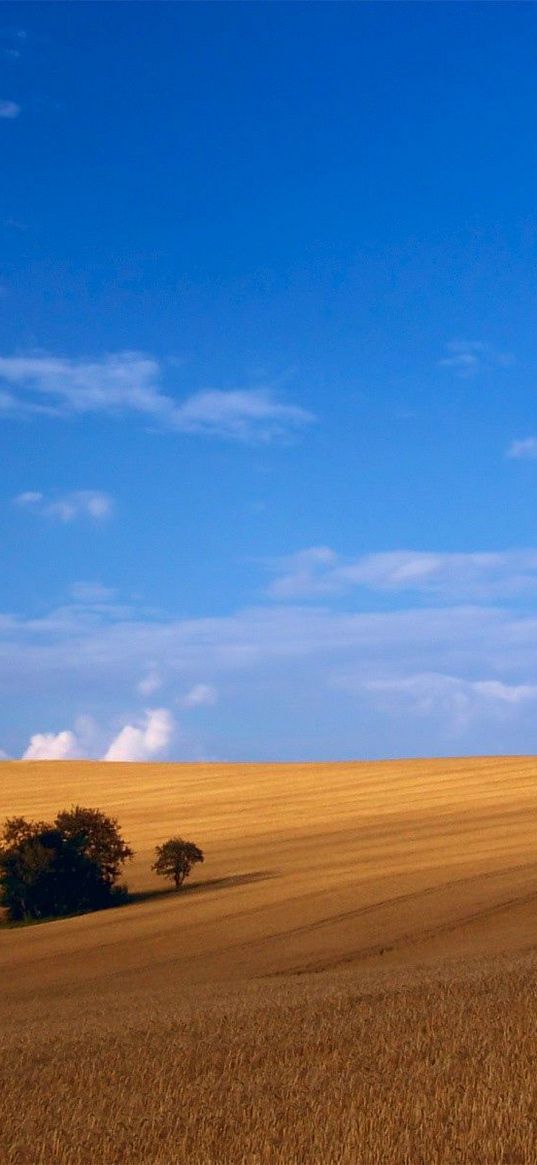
(325,887)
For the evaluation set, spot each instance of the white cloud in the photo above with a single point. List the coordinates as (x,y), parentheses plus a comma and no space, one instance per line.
(468,357)
(130,382)
(82,503)
(319,571)
(144,741)
(139,742)
(240,414)
(200,696)
(52,746)
(9,110)
(524,448)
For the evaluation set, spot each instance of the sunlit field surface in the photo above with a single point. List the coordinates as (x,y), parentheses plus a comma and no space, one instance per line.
(349,978)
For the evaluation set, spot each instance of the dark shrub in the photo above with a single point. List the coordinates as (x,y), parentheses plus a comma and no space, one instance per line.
(68,867)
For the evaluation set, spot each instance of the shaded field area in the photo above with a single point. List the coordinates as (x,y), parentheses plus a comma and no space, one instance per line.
(352,980)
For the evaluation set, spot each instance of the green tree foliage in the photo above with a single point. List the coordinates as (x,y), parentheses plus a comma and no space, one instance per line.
(175,858)
(70,866)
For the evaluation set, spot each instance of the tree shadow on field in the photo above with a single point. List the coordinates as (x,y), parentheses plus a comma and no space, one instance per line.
(202,887)
(125,898)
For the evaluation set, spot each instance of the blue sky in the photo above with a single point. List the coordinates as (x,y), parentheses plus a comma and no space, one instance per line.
(267,380)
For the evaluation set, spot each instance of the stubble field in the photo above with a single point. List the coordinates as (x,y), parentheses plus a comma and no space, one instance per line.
(350,978)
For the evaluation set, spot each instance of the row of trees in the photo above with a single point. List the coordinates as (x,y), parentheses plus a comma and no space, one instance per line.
(73,864)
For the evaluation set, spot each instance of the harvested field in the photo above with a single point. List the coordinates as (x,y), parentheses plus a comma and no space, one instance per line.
(350,977)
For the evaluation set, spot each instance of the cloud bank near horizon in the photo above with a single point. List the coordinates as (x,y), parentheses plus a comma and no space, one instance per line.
(293,678)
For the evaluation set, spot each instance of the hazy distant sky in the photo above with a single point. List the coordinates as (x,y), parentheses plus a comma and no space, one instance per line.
(268,365)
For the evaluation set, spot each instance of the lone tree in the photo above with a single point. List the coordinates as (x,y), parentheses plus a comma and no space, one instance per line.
(175,858)
(68,867)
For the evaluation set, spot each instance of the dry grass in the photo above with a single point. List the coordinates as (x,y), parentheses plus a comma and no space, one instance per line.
(198,1027)
(338,1072)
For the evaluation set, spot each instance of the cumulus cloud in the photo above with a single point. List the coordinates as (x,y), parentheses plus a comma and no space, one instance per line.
(52,746)
(143,741)
(130,382)
(200,696)
(319,571)
(135,742)
(9,110)
(526,448)
(468,357)
(82,503)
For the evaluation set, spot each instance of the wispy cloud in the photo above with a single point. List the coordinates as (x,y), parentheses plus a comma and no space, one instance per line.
(13,34)
(11,42)
(456,702)
(149,683)
(130,382)
(9,110)
(91,594)
(83,503)
(319,571)
(143,741)
(523,449)
(15,224)
(240,414)
(56,386)
(468,357)
(200,696)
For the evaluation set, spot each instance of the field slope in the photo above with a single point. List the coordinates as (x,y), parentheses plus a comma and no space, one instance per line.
(325,887)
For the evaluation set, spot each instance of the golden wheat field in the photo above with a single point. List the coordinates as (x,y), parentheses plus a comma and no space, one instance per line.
(349,979)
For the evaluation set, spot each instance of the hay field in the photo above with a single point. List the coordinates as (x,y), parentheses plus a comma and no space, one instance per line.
(349,979)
